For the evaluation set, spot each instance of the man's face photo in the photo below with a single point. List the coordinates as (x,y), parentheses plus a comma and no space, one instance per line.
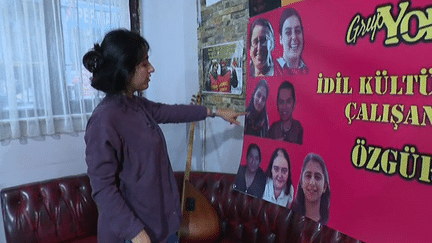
(261,46)
(285,104)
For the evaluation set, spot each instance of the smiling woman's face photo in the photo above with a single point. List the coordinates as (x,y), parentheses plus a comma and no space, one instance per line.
(291,38)
(313,182)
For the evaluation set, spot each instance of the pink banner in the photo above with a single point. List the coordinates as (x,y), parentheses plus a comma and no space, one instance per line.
(359,81)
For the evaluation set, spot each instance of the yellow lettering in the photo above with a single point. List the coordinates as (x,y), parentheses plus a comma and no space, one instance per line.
(388,166)
(365,86)
(390,23)
(425,173)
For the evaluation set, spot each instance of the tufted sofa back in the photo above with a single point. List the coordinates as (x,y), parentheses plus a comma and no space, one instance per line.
(247,219)
(59,210)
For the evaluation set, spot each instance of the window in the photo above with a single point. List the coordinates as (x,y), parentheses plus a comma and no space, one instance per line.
(44,88)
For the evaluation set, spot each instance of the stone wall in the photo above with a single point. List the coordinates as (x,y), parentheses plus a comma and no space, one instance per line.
(223,22)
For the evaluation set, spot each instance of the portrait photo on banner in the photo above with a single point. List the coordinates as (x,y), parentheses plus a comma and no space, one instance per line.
(275,165)
(265,172)
(271,98)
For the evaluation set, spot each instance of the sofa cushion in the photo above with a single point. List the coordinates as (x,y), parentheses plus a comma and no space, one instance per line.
(58,210)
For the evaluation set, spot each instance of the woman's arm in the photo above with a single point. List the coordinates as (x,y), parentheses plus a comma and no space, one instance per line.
(164,113)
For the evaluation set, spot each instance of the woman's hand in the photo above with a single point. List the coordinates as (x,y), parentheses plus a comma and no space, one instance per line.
(229,115)
(142,237)
(196,99)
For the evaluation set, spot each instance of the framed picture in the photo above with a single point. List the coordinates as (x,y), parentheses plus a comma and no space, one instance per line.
(222,69)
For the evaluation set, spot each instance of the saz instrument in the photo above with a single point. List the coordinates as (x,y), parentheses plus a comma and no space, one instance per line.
(200,221)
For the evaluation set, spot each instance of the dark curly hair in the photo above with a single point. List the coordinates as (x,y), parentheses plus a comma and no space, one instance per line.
(113,62)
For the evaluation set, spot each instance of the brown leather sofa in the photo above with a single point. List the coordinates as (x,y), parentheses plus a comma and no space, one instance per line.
(61,210)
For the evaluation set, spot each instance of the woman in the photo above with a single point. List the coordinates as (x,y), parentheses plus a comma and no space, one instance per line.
(292,40)
(213,76)
(132,180)
(313,192)
(279,188)
(251,178)
(256,122)
(261,44)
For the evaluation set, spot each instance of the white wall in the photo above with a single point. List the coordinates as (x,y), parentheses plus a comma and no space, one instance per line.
(171,28)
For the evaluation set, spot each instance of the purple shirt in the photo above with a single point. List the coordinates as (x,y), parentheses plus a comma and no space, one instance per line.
(132,181)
